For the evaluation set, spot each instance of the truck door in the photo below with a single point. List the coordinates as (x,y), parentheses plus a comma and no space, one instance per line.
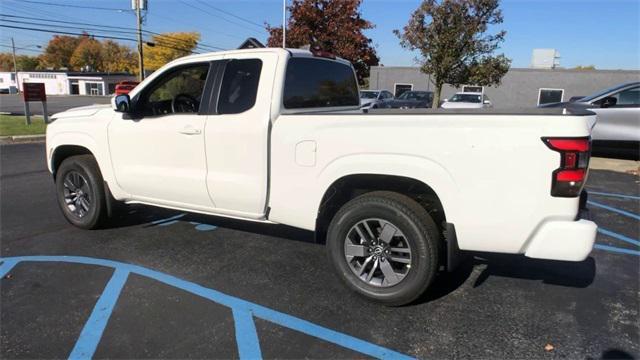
(158,153)
(237,135)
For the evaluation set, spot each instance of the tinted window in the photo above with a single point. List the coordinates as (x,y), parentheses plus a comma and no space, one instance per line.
(415,95)
(470,98)
(239,86)
(177,91)
(369,94)
(629,97)
(547,96)
(313,83)
(402,88)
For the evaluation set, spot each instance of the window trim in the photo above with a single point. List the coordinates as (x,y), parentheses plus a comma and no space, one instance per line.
(395,91)
(550,89)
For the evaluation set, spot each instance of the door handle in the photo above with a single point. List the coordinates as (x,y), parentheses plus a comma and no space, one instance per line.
(190,131)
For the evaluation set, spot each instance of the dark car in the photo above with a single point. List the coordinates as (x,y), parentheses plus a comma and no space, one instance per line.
(410,100)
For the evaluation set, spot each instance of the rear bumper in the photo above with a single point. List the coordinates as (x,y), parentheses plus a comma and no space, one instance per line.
(563,240)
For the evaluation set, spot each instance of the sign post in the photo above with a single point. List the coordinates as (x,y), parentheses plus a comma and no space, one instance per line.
(34,92)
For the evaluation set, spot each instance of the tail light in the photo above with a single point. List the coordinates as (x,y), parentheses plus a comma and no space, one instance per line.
(568,180)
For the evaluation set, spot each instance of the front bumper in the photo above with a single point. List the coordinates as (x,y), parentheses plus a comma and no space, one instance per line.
(563,240)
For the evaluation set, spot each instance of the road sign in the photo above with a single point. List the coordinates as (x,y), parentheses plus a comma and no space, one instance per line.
(34,92)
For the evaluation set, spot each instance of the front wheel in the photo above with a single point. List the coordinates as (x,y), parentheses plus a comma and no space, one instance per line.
(384,246)
(80,192)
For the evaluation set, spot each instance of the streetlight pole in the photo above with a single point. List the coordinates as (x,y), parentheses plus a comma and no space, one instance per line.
(139,21)
(15,64)
(284,24)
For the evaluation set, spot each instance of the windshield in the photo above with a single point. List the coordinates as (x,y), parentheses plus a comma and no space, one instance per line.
(468,98)
(414,95)
(603,92)
(369,94)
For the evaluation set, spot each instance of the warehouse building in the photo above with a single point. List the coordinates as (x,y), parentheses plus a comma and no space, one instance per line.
(66,82)
(520,87)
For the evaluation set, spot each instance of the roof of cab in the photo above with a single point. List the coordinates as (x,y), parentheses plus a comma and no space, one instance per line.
(280,51)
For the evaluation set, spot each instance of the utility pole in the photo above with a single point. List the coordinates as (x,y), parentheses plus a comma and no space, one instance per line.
(284,24)
(138,4)
(15,64)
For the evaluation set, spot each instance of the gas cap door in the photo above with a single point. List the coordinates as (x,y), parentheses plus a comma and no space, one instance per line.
(306,153)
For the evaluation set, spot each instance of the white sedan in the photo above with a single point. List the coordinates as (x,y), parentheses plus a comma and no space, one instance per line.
(467,100)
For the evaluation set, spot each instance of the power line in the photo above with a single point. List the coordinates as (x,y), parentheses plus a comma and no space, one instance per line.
(22,48)
(220,17)
(96,26)
(90,35)
(74,6)
(261,26)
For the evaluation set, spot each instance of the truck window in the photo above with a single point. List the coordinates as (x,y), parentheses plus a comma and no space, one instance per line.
(317,83)
(239,86)
(177,91)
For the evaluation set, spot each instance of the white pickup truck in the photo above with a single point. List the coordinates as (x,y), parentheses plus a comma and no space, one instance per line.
(275,136)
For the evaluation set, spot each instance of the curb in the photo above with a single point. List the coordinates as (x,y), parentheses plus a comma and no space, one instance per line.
(22,138)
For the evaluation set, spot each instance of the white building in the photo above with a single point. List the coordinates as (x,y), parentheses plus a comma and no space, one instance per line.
(67,82)
(545,59)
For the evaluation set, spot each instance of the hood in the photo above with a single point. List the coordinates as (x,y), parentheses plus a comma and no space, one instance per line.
(461,105)
(395,103)
(83,111)
(366,101)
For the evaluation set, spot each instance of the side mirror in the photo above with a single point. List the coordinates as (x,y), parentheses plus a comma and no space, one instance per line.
(121,103)
(445,100)
(608,102)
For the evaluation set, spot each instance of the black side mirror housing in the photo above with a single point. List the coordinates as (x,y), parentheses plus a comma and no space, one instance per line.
(122,103)
(608,102)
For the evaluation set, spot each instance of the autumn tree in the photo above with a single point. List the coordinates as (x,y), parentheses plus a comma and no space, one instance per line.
(169,46)
(59,51)
(24,62)
(334,26)
(455,44)
(88,53)
(117,58)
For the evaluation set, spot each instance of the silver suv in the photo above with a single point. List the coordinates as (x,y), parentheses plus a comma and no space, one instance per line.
(618,122)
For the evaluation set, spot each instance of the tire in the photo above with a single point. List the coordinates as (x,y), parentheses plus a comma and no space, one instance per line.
(415,234)
(79,177)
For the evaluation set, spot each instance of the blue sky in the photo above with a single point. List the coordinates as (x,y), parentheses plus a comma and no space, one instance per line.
(603,33)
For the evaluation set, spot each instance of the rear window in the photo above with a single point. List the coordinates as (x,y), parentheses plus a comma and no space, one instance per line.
(316,83)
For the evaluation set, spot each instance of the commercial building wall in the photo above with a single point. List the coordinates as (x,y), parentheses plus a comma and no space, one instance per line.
(519,88)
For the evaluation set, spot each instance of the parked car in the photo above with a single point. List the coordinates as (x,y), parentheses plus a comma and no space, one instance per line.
(467,100)
(394,194)
(409,100)
(124,87)
(618,126)
(371,99)
(4,91)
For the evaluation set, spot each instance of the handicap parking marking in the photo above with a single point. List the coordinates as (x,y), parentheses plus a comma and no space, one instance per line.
(620,237)
(243,311)
(176,219)
(616,249)
(621,196)
(615,210)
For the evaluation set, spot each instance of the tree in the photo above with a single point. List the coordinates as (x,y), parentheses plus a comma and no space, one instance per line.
(6,62)
(334,26)
(169,46)
(584,67)
(59,50)
(88,53)
(116,58)
(28,63)
(454,44)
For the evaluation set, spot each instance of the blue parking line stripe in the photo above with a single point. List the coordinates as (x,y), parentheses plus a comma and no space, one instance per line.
(615,210)
(246,335)
(91,334)
(234,303)
(622,196)
(6,266)
(616,249)
(168,221)
(620,237)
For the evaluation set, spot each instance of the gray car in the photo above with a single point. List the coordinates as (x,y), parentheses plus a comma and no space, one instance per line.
(618,121)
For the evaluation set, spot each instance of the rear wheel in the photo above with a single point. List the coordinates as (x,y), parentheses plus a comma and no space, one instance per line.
(385,247)
(80,192)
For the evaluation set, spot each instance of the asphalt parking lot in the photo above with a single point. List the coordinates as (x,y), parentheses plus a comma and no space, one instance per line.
(163,284)
(13,103)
